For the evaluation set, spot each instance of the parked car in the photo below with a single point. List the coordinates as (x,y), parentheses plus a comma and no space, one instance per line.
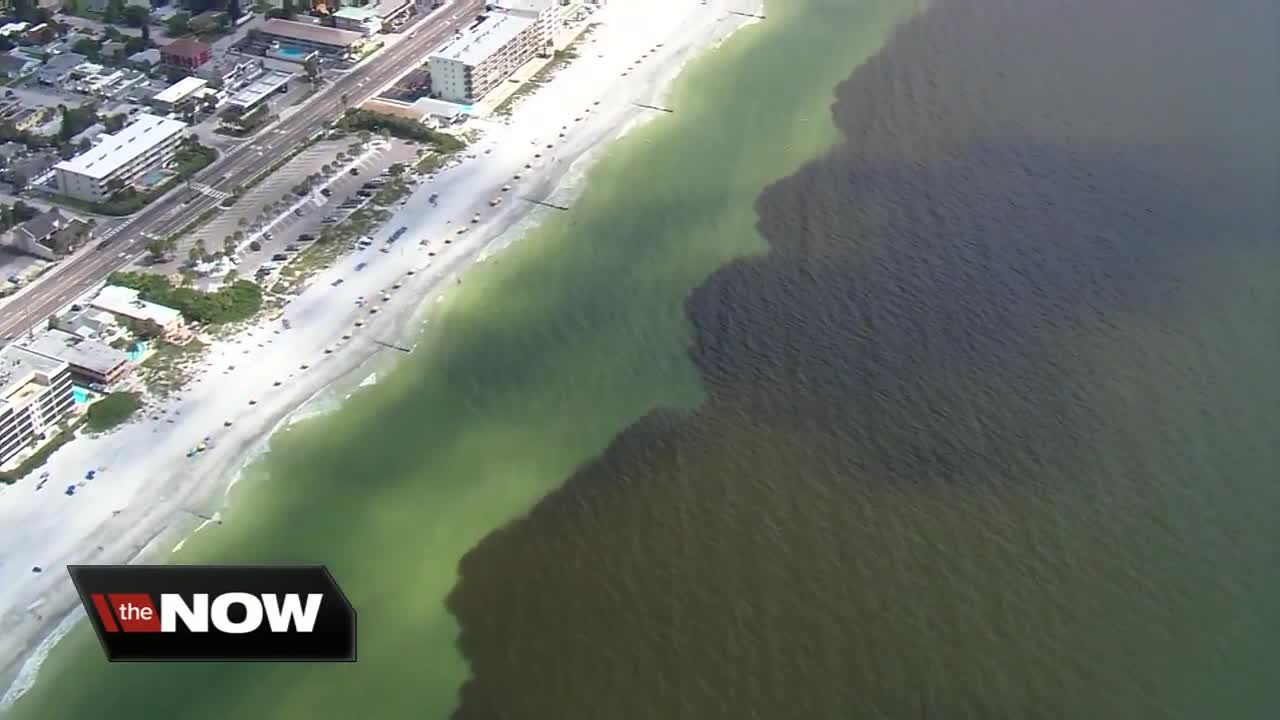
(354,171)
(362,266)
(292,247)
(326,192)
(278,257)
(337,282)
(306,237)
(103,245)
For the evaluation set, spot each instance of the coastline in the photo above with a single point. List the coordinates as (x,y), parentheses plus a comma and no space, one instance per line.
(153,516)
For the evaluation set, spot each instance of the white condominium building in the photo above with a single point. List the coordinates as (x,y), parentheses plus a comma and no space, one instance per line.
(484,55)
(119,159)
(35,395)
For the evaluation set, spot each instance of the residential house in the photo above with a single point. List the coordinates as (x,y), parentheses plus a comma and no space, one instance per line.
(58,68)
(13,65)
(25,169)
(26,118)
(47,235)
(145,59)
(112,48)
(209,21)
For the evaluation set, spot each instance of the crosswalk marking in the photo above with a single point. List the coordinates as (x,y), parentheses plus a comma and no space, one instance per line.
(206,190)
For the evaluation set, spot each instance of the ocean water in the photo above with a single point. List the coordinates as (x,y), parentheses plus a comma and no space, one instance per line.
(525,372)
(991,430)
(914,374)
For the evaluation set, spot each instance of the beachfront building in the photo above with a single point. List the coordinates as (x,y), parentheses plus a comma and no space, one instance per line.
(484,55)
(92,364)
(35,395)
(120,159)
(297,39)
(125,304)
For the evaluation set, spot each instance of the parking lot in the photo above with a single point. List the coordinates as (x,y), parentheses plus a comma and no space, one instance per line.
(293,216)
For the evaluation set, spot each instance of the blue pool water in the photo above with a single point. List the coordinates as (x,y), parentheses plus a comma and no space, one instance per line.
(292,52)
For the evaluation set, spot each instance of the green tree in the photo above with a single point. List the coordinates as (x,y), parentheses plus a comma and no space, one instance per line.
(114,11)
(179,24)
(87,47)
(158,250)
(137,16)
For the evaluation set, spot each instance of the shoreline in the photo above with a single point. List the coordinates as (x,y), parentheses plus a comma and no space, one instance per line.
(156,515)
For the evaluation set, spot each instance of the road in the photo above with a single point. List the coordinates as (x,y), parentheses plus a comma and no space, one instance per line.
(77,275)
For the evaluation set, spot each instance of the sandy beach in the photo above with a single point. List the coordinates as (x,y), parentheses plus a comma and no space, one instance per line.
(151,495)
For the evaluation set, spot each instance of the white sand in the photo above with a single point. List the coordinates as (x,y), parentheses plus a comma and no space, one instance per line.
(141,506)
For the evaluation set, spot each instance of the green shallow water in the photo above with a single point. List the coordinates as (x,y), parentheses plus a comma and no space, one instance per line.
(525,372)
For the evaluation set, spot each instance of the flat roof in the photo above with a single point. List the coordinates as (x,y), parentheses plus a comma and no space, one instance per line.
(356,13)
(113,151)
(77,351)
(311,32)
(534,6)
(477,44)
(261,87)
(438,108)
(180,90)
(387,8)
(124,301)
(17,366)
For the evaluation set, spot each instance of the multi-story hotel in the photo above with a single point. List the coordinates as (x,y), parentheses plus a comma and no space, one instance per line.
(35,395)
(118,160)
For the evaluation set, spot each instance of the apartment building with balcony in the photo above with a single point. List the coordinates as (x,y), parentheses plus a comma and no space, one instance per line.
(118,160)
(484,55)
(35,395)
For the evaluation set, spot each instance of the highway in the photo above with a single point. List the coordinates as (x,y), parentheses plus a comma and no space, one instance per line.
(77,275)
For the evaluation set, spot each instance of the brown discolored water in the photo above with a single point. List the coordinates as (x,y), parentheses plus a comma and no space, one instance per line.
(991,431)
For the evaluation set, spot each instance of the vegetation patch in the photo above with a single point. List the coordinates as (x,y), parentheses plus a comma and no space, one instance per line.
(237,301)
(112,410)
(170,365)
(403,128)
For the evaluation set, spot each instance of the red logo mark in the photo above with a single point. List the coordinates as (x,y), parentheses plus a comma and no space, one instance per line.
(136,612)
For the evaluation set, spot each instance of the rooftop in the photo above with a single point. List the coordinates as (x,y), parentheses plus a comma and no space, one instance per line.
(311,32)
(63,63)
(151,56)
(261,87)
(180,90)
(79,352)
(43,225)
(113,151)
(124,301)
(387,8)
(533,6)
(359,14)
(185,47)
(18,367)
(13,63)
(478,43)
